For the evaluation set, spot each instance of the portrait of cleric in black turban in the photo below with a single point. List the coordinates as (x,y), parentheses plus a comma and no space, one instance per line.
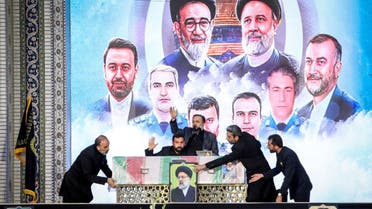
(183,182)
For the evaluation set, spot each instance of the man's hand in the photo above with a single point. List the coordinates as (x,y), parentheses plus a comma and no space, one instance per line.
(173,113)
(152,144)
(256,177)
(200,167)
(279,198)
(111,182)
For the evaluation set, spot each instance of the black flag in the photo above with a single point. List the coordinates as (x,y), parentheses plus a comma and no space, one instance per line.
(25,151)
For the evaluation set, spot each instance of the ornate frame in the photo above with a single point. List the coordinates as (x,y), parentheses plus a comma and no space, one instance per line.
(39,67)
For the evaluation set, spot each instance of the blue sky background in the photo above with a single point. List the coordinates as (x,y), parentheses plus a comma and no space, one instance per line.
(94,23)
(348,22)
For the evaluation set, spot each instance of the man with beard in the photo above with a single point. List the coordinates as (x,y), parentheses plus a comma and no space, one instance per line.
(164,93)
(177,148)
(77,181)
(196,137)
(120,68)
(322,70)
(184,192)
(259,21)
(295,176)
(208,107)
(193,22)
(247,150)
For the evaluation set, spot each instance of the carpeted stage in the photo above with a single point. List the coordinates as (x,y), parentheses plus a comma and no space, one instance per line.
(195,206)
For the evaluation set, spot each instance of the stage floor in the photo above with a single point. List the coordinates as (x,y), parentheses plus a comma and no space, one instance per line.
(194,206)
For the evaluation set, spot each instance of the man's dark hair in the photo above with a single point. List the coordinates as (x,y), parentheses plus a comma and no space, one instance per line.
(235,130)
(289,70)
(176,5)
(203,103)
(120,43)
(198,115)
(276,139)
(320,38)
(246,95)
(178,134)
(99,139)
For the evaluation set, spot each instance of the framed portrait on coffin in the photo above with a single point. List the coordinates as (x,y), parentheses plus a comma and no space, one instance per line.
(183,178)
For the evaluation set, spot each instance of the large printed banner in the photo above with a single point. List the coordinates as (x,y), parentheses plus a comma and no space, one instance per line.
(317,98)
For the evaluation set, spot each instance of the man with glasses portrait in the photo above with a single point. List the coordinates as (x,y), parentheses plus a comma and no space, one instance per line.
(193,23)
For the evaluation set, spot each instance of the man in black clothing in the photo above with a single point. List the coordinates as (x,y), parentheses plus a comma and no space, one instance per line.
(295,176)
(177,148)
(248,150)
(77,182)
(196,138)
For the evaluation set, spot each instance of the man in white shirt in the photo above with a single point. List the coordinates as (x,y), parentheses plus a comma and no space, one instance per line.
(322,70)
(120,68)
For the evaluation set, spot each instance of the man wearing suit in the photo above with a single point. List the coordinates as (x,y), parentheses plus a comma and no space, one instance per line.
(184,192)
(196,137)
(247,150)
(322,70)
(77,181)
(259,21)
(177,148)
(282,88)
(193,22)
(295,176)
(120,68)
